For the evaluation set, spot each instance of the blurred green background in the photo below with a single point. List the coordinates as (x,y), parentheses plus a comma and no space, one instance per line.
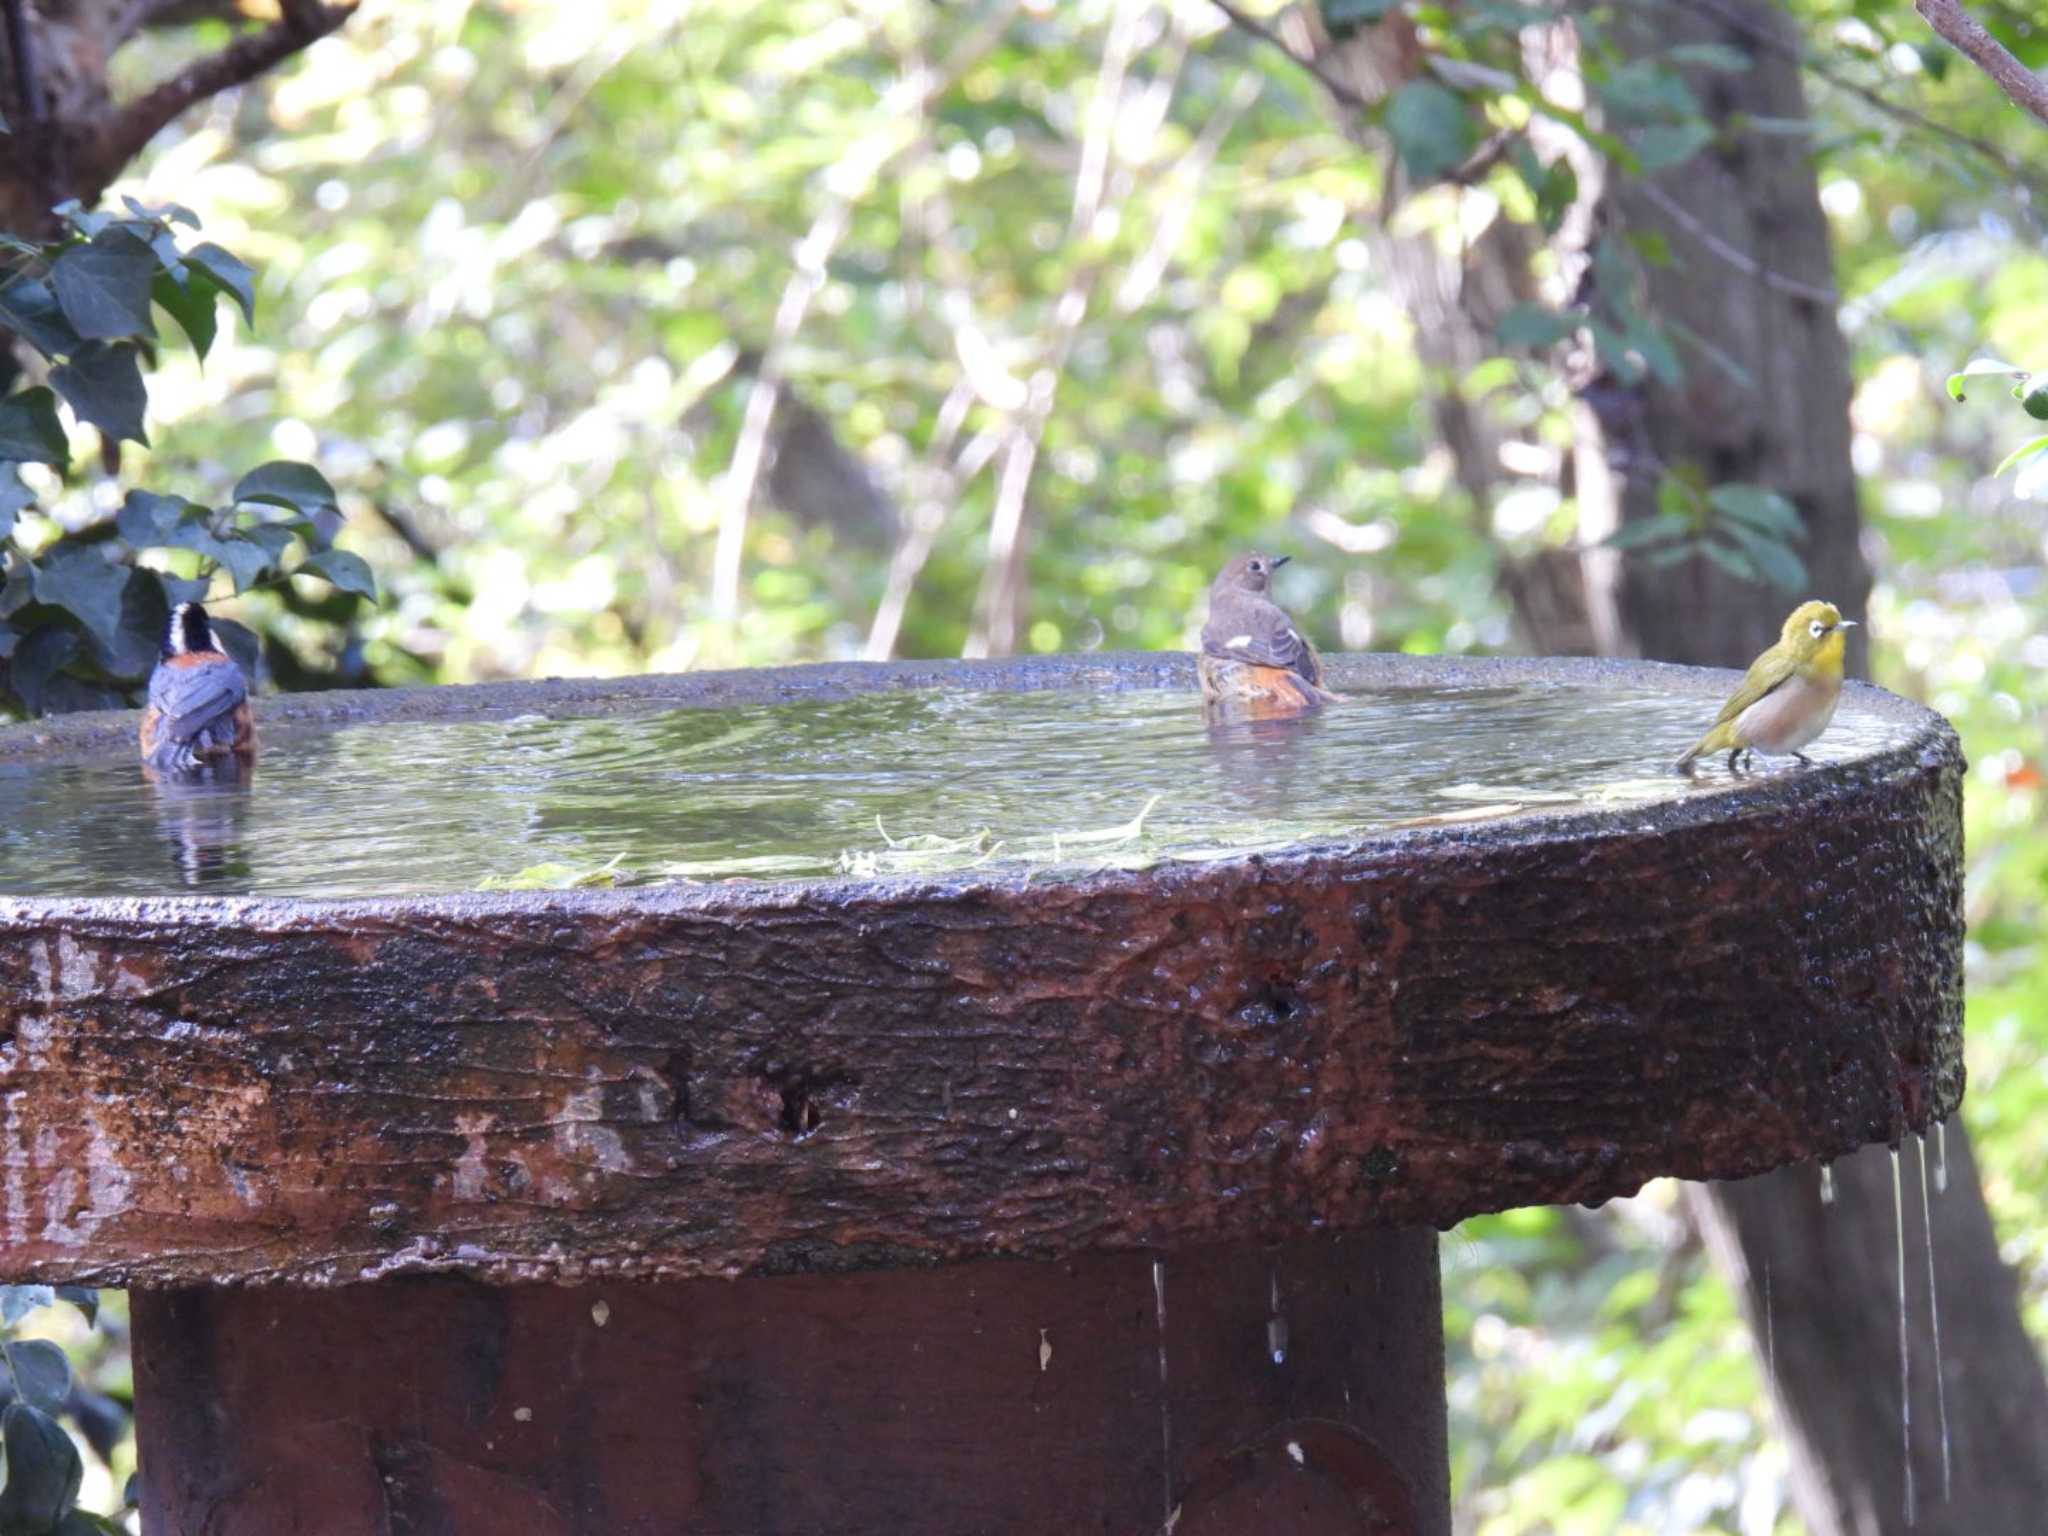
(520,269)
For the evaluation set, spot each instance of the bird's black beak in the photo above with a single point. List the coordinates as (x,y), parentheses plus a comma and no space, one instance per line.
(1277,561)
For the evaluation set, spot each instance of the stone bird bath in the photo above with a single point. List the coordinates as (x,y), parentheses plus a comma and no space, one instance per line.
(972,1203)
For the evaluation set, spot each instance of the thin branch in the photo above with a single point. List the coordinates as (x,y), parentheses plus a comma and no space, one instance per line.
(859,169)
(1737,258)
(2014,168)
(1265,34)
(1963,32)
(241,61)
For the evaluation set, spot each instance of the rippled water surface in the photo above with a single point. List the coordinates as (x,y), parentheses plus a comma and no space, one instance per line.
(888,783)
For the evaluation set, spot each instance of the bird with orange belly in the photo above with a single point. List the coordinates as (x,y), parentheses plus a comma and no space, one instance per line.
(198,710)
(1252,655)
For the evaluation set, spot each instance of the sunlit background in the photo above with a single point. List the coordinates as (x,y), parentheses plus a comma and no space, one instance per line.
(520,269)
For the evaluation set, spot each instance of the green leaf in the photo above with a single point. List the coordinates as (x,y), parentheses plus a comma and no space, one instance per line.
(1534,326)
(1662,145)
(274,538)
(2034,397)
(103,385)
(246,560)
(285,483)
(147,519)
(1762,509)
(30,429)
(43,1472)
(1731,560)
(2026,450)
(176,213)
(42,1376)
(1779,564)
(1431,128)
(104,287)
(78,579)
(1648,530)
(17,1301)
(1980,365)
(194,304)
(30,309)
(348,572)
(13,497)
(1556,193)
(230,272)
(83,1297)
(81,218)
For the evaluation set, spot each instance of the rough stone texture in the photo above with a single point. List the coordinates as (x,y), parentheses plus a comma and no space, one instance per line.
(752,1079)
(989,1397)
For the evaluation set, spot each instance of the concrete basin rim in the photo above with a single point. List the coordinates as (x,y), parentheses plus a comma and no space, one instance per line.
(1714,798)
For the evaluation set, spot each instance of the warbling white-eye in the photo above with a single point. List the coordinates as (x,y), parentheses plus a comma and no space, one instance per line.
(1788,696)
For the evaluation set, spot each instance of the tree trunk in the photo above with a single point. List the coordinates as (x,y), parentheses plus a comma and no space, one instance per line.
(1820,1284)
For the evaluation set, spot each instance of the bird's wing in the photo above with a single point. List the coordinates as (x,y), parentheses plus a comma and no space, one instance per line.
(1257,632)
(189,699)
(1766,675)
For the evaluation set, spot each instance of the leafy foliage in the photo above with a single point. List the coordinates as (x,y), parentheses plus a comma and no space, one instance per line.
(2030,458)
(44,1470)
(82,606)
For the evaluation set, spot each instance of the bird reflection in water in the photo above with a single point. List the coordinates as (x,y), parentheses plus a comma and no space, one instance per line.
(1264,756)
(202,813)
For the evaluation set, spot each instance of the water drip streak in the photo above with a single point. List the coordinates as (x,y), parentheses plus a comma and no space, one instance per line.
(1827,1183)
(1905,1359)
(1941,1157)
(1770,1329)
(1934,1321)
(1165,1402)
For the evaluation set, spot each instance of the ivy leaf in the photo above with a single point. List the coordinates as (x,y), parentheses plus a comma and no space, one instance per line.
(274,538)
(285,483)
(231,272)
(1430,127)
(42,654)
(104,287)
(42,1376)
(30,429)
(148,520)
(17,1301)
(1976,366)
(245,559)
(13,497)
(348,572)
(83,1297)
(43,1471)
(78,579)
(193,303)
(103,385)
(31,310)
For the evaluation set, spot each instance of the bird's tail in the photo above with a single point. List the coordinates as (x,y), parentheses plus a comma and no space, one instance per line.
(1684,765)
(1714,741)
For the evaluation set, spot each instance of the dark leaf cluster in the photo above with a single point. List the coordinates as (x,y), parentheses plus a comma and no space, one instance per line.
(43,1468)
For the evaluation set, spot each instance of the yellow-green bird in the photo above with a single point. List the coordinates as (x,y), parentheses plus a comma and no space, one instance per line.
(1788,696)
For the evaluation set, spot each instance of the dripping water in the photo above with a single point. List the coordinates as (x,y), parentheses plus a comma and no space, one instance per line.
(1934,1319)
(1941,1157)
(1276,1325)
(1770,1329)
(1827,1183)
(1165,1401)
(1905,1359)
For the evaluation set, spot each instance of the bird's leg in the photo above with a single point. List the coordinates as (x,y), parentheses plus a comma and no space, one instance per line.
(1735,763)
(1804,760)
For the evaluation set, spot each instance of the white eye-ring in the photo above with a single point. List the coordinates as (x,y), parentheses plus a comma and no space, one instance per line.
(1818,628)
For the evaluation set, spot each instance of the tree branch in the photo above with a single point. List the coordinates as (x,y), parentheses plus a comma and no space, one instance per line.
(1265,34)
(1967,36)
(305,22)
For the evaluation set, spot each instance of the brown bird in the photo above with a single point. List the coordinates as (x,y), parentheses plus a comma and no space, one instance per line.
(1251,652)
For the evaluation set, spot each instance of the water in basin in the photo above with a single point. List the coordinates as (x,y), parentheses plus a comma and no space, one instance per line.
(906,783)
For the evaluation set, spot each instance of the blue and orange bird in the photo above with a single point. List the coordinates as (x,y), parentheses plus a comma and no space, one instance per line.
(198,711)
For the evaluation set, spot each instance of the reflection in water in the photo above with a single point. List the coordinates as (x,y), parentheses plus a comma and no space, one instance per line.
(911,781)
(202,814)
